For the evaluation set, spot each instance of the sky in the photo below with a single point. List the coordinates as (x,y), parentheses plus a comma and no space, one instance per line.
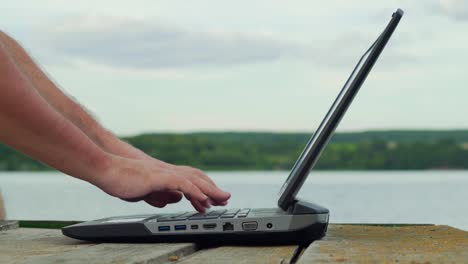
(249,65)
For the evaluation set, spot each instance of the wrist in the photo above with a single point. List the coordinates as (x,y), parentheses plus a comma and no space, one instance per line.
(116,146)
(100,136)
(116,178)
(101,168)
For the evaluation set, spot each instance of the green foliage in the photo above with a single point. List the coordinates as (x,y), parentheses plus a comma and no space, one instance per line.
(380,150)
(11,160)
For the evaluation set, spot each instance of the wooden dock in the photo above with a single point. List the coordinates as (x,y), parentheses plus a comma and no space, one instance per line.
(343,244)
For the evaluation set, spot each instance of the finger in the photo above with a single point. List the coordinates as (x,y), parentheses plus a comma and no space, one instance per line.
(196,204)
(197,173)
(190,190)
(132,200)
(175,197)
(165,197)
(155,203)
(207,204)
(214,193)
(205,177)
(223,203)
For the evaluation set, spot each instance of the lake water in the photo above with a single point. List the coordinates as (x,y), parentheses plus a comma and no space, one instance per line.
(438,197)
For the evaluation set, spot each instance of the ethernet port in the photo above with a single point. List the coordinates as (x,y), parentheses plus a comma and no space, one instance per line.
(228,227)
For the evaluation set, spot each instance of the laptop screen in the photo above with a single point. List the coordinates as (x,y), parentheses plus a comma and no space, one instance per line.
(320,129)
(320,138)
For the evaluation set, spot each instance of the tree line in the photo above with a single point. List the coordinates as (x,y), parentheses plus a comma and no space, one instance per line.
(375,150)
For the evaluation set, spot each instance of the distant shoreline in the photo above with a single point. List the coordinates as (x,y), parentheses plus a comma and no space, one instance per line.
(275,171)
(257,151)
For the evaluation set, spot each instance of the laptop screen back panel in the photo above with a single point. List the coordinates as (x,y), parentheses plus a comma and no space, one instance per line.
(319,140)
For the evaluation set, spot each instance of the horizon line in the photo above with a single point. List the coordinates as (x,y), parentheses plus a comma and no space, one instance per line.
(294,132)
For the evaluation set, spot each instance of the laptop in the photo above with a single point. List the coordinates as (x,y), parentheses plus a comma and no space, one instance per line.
(293,222)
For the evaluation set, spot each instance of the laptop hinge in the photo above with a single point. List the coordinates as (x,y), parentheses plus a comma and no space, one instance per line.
(303,207)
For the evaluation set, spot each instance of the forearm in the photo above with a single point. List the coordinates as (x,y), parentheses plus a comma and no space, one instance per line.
(114,145)
(39,120)
(29,124)
(65,105)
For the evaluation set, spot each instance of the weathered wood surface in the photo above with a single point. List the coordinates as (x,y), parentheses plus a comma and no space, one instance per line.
(383,244)
(119,253)
(31,245)
(18,245)
(343,244)
(6,225)
(247,255)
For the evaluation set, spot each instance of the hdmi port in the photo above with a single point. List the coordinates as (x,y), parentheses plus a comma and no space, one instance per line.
(209,226)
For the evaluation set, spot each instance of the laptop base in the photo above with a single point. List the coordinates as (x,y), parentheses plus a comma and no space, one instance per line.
(301,225)
(137,233)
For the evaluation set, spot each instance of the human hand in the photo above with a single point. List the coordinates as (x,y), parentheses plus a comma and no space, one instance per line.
(159,183)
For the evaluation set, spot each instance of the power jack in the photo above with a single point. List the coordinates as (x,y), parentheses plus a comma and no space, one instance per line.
(269,225)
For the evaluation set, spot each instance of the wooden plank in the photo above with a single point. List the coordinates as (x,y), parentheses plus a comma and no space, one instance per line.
(380,244)
(233,254)
(120,253)
(28,245)
(20,244)
(7,225)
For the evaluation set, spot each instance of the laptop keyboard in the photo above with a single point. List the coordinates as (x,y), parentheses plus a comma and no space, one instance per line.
(215,214)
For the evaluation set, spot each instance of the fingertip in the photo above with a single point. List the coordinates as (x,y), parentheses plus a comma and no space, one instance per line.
(198,206)
(222,197)
(200,210)
(224,194)
(192,192)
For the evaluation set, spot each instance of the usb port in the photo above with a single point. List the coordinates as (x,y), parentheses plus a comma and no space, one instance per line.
(180,227)
(194,226)
(164,228)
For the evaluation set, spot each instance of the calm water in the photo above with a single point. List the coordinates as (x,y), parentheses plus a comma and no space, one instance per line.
(438,197)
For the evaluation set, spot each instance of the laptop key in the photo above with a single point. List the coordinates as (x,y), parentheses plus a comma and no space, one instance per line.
(228,216)
(243,213)
(217,212)
(166,217)
(201,216)
(210,215)
(183,216)
(232,211)
(176,217)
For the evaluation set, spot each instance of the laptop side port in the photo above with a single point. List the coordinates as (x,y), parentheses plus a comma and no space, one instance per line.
(209,226)
(180,227)
(194,227)
(249,226)
(164,228)
(228,227)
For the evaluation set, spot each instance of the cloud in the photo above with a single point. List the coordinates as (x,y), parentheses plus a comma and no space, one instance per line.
(346,49)
(132,43)
(457,9)
(144,45)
